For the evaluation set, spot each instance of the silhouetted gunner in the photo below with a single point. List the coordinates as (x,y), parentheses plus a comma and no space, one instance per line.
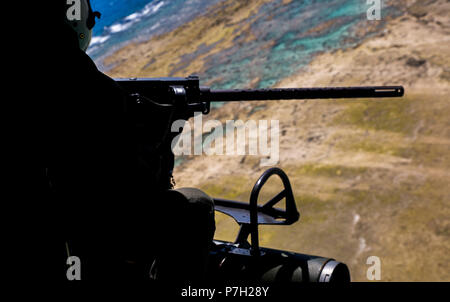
(110,185)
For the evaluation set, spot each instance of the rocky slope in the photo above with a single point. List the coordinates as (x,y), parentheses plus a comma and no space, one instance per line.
(370,177)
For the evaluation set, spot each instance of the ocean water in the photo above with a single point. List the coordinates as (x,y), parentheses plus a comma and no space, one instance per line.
(113,11)
(287,36)
(124,21)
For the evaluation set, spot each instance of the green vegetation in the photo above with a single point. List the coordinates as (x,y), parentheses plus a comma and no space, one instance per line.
(428,154)
(324,170)
(234,187)
(383,115)
(367,145)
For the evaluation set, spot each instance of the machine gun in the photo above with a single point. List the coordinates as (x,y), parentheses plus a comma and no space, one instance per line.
(187,94)
(176,98)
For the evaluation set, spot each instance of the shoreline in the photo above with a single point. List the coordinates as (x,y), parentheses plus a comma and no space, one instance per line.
(210,46)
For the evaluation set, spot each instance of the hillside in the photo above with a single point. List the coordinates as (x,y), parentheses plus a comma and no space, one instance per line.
(370,177)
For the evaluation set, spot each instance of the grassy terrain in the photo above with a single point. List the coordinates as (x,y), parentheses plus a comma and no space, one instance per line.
(370,177)
(392,202)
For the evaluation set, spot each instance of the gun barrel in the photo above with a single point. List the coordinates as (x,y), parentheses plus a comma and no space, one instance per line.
(304,93)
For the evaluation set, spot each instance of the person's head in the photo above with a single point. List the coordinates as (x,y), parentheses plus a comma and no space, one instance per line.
(80,17)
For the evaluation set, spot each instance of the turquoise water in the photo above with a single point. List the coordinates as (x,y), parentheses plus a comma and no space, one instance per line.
(287,36)
(285,42)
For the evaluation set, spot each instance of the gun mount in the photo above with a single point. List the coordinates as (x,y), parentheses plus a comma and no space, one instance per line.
(254,263)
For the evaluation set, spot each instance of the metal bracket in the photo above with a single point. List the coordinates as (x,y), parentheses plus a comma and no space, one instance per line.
(250,215)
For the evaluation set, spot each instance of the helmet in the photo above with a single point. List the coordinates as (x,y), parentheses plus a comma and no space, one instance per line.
(81,18)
